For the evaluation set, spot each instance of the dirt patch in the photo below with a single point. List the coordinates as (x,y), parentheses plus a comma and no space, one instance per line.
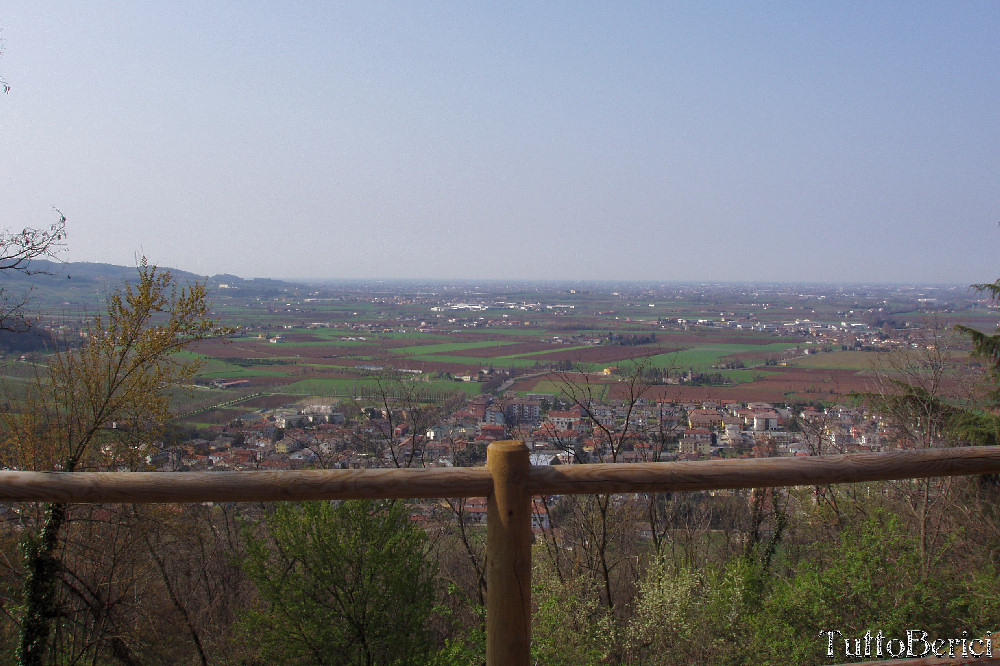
(241,348)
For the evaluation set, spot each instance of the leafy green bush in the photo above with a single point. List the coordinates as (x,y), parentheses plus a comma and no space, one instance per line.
(340,584)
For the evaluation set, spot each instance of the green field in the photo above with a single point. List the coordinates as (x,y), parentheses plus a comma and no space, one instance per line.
(480,362)
(214,368)
(743,376)
(328,343)
(703,357)
(423,350)
(838,360)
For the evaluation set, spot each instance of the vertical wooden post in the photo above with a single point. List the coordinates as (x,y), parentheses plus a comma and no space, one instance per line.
(508,556)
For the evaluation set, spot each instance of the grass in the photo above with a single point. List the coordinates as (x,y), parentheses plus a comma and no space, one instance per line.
(838,360)
(432,353)
(228,370)
(744,376)
(423,350)
(703,357)
(543,352)
(215,368)
(329,343)
(510,330)
(327,387)
(411,335)
(477,362)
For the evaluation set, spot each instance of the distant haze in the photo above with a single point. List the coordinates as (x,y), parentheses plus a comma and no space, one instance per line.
(732,141)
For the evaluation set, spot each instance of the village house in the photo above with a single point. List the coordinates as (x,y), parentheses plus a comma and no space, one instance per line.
(570,419)
(705,418)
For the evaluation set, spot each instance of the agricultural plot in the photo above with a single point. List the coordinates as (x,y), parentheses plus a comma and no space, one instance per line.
(354,387)
(327,362)
(702,357)
(444,348)
(838,360)
(335,340)
(772,385)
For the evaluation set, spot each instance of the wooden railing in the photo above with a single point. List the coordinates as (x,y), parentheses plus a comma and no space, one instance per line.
(509,482)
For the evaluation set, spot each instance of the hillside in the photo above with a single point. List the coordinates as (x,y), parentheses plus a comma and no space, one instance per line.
(56,286)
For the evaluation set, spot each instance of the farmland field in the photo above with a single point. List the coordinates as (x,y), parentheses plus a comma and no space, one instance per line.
(330,363)
(744,342)
(837,360)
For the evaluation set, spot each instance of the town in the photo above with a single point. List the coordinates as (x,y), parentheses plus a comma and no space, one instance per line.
(355,375)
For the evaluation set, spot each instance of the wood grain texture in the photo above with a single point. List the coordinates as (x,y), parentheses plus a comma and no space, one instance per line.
(508,556)
(138,487)
(763,472)
(253,486)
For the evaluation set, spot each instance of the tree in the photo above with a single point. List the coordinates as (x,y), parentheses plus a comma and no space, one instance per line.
(987,346)
(570,625)
(194,552)
(668,609)
(17,250)
(407,410)
(866,580)
(95,408)
(600,527)
(915,395)
(340,584)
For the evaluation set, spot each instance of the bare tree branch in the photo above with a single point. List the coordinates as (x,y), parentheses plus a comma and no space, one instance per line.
(17,250)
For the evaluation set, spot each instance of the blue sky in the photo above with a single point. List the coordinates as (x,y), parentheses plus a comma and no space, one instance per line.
(737,141)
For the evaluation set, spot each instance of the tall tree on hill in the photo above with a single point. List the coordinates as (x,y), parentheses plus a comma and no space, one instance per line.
(94,408)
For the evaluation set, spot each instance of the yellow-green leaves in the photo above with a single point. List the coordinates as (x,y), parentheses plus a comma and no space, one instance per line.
(97,405)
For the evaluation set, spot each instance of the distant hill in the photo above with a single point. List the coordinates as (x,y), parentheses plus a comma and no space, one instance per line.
(84,285)
(51,273)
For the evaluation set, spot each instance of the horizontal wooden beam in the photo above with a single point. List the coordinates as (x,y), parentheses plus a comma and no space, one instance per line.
(261,486)
(250,486)
(763,472)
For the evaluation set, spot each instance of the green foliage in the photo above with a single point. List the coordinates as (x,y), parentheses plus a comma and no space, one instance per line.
(871,581)
(340,584)
(987,346)
(685,616)
(666,613)
(915,404)
(469,650)
(119,377)
(569,625)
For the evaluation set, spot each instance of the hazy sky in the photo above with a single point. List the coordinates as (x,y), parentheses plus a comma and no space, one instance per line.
(792,141)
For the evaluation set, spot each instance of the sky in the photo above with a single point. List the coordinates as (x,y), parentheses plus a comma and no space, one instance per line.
(661,141)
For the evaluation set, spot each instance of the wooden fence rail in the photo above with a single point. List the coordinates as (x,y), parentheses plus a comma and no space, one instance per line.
(297,486)
(509,482)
